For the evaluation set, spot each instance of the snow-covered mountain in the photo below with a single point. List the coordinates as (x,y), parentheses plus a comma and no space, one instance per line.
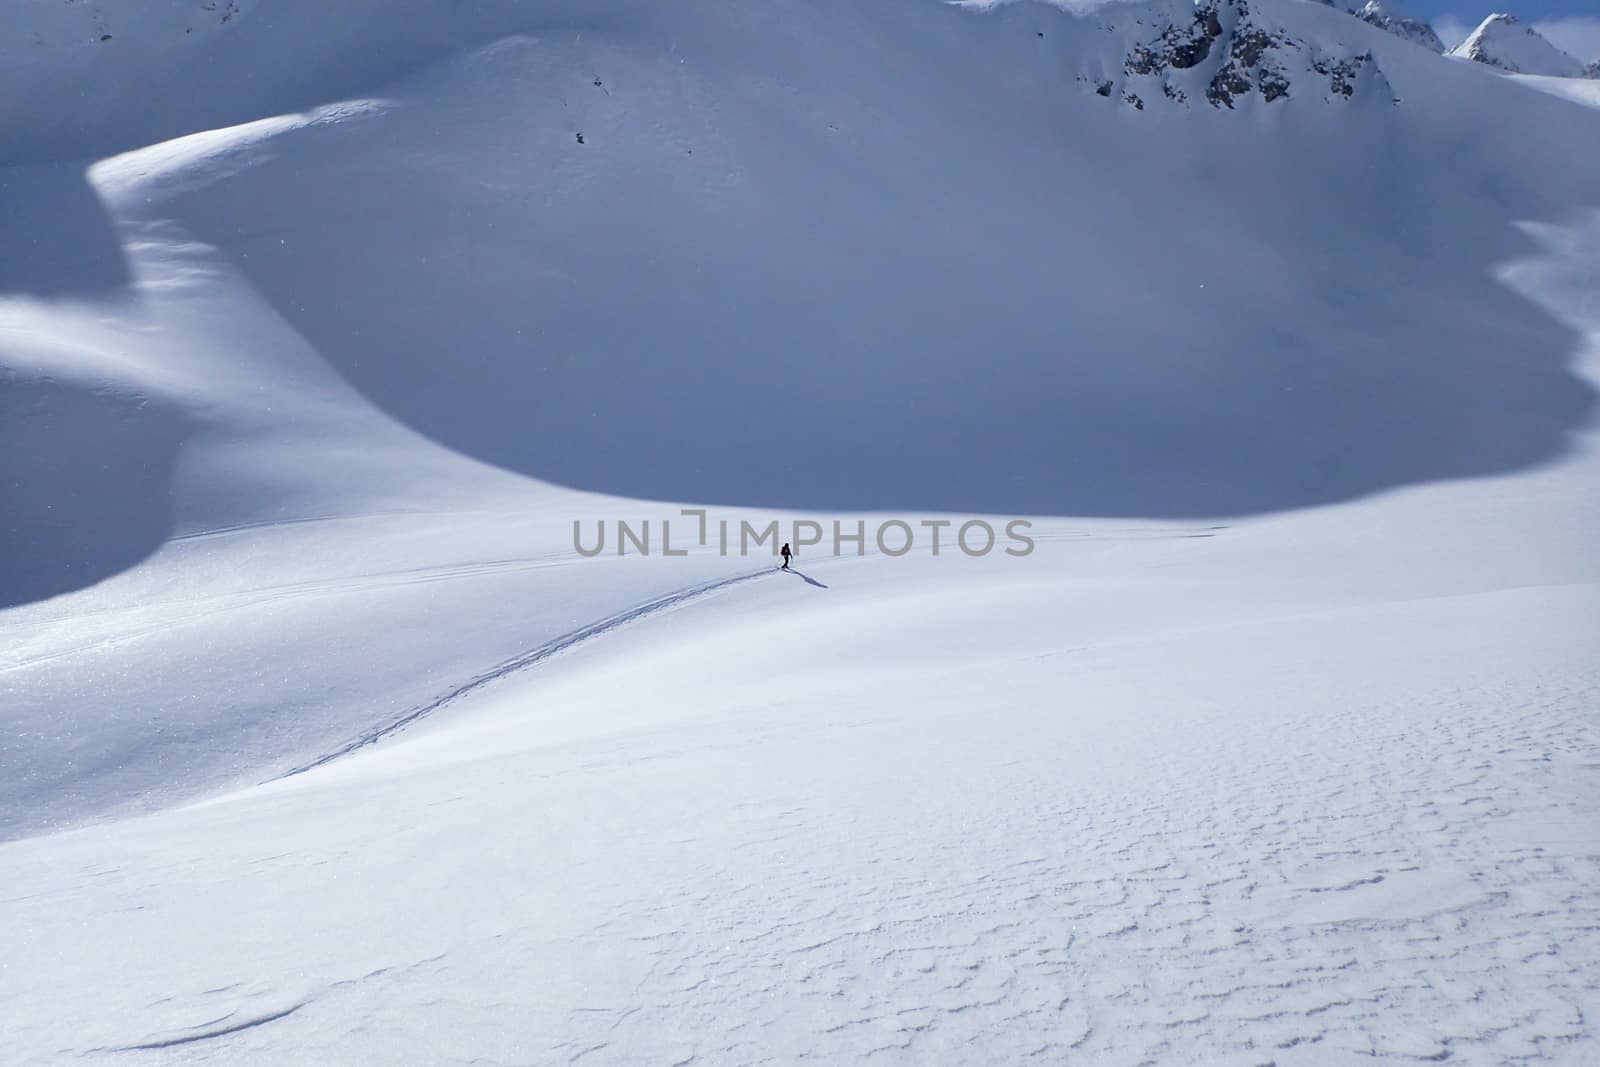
(327,329)
(1502,41)
(1387,17)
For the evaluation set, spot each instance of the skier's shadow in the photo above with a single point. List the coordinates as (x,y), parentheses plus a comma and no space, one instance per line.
(809,580)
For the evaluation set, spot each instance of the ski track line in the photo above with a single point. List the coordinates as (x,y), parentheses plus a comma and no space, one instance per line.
(533,656)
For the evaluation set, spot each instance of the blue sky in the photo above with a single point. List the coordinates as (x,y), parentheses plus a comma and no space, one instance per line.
(1527,10)
(1571,24)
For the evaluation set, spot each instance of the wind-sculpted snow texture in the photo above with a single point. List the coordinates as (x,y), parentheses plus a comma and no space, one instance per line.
(321,741)
(1366,850)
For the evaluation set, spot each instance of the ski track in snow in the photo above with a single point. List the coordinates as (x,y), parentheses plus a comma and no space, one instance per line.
(535,655)
(567,640)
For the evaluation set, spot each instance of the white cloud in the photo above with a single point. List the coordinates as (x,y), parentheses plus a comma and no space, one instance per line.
(1576,34)
(1451,30)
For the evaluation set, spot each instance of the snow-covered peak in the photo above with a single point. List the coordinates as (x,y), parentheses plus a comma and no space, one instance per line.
(1501,41)
(1392,19)
(1226,53)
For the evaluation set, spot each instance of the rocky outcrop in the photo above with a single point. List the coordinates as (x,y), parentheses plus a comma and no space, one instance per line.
(1224,54)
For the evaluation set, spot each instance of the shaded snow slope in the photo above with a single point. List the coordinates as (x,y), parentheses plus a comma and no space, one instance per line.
(1059,307)
(1502,41)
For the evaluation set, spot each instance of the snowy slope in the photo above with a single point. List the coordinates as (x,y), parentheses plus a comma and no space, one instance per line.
(1159,813)
(1501,41)
(311,325)
(1585,91)
(1279,746)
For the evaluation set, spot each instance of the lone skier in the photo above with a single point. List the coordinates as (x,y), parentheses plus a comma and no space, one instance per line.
(786,555)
